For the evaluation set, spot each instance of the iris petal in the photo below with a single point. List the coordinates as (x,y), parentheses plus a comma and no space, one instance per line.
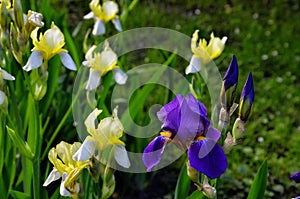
(86,150)
(194,66)
(99,28)
(117,24)
(119,76)
(153,152)
(93,81)
(35,60)
(295,177)
(67,61)
(54,175)
(121,156)
(207,157)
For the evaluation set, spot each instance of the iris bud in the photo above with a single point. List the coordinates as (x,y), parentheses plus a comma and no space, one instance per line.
(230,81)
(247,99)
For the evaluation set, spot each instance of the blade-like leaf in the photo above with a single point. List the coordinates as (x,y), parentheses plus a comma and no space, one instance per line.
(19,195)
(183,184)
(196,195)
(259,185)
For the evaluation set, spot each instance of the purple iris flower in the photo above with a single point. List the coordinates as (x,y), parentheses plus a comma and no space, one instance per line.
(185,123)
(295,177)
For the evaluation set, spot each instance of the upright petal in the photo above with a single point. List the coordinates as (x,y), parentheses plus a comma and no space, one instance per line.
(67,60)
(153,152)
(121,156)
(110,9)
(117,23)
(54,175)
(207,157)
(35,60)
(119,76)
(194,66)
(99,27)
(213,134)
(86,151)
(90,120)
(93,81)
(295,177)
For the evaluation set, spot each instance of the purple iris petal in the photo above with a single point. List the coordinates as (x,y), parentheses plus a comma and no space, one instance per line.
(185,117)
(169,114)
(207,157)
(213,134)
(153,152)
(232,73)
(248,90)
(295,177)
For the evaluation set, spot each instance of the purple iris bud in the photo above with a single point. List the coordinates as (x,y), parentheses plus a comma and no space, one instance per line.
(295,177)
(247,99)
(230,81)
(248,90)
(231,77)
(185,122)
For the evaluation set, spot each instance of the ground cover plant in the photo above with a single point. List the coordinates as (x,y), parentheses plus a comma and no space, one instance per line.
(80,84)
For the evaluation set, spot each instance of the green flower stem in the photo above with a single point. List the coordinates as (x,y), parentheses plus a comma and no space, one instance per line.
(60,125)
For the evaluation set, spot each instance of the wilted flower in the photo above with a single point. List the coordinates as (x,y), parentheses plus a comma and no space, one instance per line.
(204,52)
(66,168)
(100,63)
(106,134)
(102,14)
(185,122)
(48,45)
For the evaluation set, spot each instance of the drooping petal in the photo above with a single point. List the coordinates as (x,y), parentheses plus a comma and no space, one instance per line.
(213,134)
(93,81)
(99,27)
(295,177)
(117,23)
(63,191)
(153,152)
(121,156)
(67,61)
(53,176)
(207,157)
(119,76)
(86,151)
(6,75)
(194,66)
(2,97)
(35,60)
(90,15)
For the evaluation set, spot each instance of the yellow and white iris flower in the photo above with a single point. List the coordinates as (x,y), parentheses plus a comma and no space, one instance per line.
(102,14)
(102,136)
(203,52)
(66,168)
(49,44)
(100,63)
